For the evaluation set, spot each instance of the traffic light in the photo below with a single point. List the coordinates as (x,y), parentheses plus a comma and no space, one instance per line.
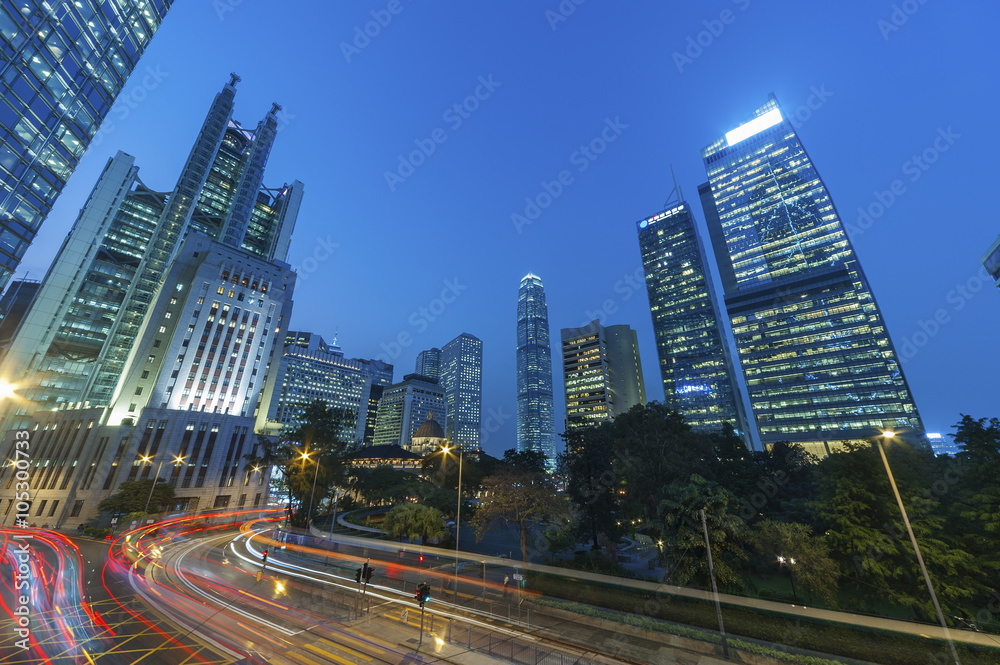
(369,572)
(263,557)
(422,593)
(421,558)
(357,576)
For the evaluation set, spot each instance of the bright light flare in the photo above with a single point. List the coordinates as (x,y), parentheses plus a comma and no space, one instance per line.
(7,389)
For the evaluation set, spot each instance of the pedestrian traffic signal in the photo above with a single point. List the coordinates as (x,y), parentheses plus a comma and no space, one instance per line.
(369,572)
(357,576)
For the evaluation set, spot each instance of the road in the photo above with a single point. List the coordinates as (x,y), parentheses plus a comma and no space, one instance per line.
(73,613)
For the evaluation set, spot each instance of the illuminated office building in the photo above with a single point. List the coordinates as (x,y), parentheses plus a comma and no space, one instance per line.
(152,343)
(404,407)
(819,364)
(535,416)
(602,373)
(312,369)
(694,363)
(63,64)
(76,339)
(429,363)
(462,380)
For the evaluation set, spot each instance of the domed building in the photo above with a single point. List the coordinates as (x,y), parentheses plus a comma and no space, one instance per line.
(428,437)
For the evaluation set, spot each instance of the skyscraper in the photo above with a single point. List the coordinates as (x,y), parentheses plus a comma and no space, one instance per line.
(74,349)
(819,364)
(404,407)
(462,380)
(429,363)
(535,416)
(152,338)
(602,373)
(63,65)
(311,369)
(694,363)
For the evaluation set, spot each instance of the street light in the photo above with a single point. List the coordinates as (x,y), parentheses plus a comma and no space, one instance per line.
(791,577)
(458,511)
(312,496)
(177,460)
(886,435)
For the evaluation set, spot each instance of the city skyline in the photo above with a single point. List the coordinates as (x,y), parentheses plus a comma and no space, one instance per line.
(864,129)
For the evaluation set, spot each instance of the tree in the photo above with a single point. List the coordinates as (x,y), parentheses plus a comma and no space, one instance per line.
(298,451)
(684,537)
(512,496)
(813,569)
(593,480)
(412,520)
(527,461)
(133,494)
(866,535)
(654,447)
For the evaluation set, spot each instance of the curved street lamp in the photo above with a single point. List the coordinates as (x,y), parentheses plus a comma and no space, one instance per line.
(880,443)
(458,509)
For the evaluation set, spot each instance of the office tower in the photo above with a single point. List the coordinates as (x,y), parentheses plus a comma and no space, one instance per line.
(311,369)
(157,331)
(77,337)
(404,407)
(819,364)
(535,417)
(602,373)
(378,375)
(698,379)
(13,306)
(462,380)
(429,363)
(63,65)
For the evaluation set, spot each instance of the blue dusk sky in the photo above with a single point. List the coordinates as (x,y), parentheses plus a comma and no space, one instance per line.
(401,251)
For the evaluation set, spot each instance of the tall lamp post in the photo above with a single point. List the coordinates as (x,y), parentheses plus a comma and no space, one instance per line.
(458,511)
(177,460)
(886,435)
(312,496)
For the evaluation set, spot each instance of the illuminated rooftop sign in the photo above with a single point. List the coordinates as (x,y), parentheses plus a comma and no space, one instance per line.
(755,126)
(660,215)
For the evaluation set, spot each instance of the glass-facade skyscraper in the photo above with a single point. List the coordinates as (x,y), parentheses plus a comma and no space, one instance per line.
(462,380)
(78,336)
(694,363)
(63,65)
(429,363)
(535,416)
(819,364)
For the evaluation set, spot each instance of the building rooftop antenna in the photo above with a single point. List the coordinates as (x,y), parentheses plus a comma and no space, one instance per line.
(675,197)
